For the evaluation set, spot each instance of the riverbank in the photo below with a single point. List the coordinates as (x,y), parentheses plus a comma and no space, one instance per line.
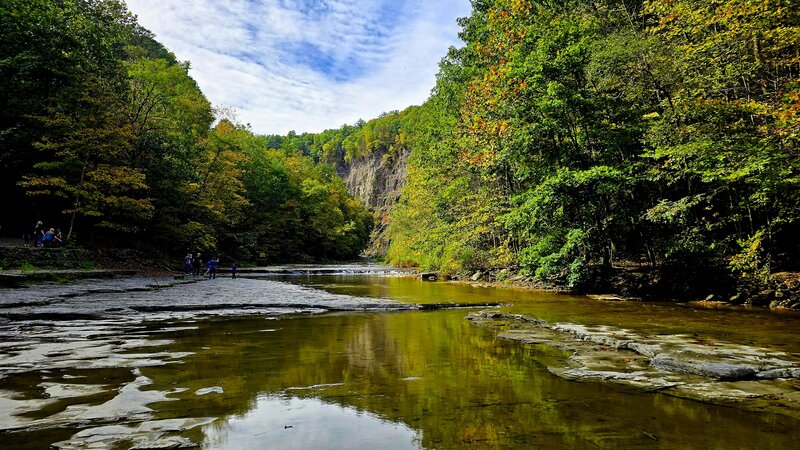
(69,262)
(17,259)
(710,287)
(17,277)
(635,283)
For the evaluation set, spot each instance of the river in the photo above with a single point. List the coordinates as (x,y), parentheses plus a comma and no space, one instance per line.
(346,361)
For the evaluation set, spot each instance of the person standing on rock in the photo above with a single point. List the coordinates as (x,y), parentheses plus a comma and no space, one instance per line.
(38,234)
(233,270)
(187,264)
(212,269)
(197,263)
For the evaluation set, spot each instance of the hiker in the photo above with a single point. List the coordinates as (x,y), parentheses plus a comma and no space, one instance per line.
(47,241)
(57,239)
(38,233)
(196,264)
(212,269)
(233,270)
(187,264)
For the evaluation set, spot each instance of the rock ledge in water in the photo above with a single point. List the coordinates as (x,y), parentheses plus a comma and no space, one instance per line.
(679,365)
(710,369)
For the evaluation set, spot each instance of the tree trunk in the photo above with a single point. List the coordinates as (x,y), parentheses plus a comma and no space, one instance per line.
(76,205)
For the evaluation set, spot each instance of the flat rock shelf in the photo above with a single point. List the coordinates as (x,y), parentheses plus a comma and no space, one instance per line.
(681,365)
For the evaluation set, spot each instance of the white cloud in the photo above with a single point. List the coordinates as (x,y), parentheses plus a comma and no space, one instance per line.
(307,65)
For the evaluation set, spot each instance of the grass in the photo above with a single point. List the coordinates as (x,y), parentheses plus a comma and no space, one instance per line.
(26,267)
(63,279)
(88,265)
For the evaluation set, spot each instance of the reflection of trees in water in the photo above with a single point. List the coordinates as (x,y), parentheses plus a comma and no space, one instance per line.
(434,372)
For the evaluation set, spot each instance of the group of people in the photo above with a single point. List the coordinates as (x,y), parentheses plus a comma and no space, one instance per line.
(43,237)
(194,264)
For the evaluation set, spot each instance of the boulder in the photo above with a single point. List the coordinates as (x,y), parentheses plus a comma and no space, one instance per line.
(476,276)
(762,298)
(429,276)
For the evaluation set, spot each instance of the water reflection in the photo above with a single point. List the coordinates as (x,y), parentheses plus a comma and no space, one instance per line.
(362,380)
(741,326)
(433,373)
(277,422)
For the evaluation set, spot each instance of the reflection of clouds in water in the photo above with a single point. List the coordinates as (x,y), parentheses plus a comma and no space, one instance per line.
(276,422)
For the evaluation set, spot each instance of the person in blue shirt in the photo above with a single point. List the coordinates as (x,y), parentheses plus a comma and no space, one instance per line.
(47,241)
(212,268)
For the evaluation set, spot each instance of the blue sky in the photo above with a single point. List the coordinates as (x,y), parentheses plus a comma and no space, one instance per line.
(307,65)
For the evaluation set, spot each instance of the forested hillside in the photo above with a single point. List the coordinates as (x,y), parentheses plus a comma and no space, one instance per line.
(564,140)
(104,135)
(568,138)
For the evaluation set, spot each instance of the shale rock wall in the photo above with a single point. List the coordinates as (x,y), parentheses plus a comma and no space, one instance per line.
(377,180)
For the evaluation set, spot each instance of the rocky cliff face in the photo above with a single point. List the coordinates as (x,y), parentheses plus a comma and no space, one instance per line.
(378,180)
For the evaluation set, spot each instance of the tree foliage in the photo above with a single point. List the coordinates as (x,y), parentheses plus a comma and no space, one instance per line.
(561,138)
(103,131)
(573,135)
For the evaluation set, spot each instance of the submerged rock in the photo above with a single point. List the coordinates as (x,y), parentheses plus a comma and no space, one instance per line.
(209,390)
(679,365)
(165,443)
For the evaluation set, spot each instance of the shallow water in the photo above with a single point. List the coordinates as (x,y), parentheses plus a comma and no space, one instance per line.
(264,376)
(773,329)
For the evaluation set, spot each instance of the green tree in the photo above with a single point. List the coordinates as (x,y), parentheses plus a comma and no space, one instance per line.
(50,51)
(82,170)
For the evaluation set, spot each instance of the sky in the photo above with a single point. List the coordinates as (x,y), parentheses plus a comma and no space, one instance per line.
(307,65)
